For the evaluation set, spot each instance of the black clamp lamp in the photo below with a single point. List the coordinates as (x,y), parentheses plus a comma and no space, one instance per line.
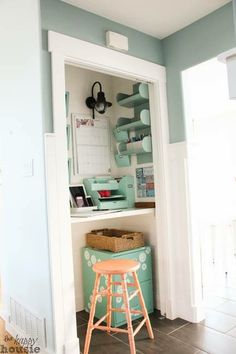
(100,104)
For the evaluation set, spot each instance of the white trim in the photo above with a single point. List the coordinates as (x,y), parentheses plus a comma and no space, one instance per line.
(90,55)
(223,57)
(184,251)
(63,50)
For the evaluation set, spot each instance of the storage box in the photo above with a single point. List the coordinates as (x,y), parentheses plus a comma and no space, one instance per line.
(144,256)
(114,240)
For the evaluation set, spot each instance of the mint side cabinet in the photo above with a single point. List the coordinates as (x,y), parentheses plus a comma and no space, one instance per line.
(91,256)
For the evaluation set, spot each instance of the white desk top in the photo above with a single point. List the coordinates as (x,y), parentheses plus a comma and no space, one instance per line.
(100,215)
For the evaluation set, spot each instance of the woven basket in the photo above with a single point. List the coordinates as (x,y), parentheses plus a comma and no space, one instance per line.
(114,240)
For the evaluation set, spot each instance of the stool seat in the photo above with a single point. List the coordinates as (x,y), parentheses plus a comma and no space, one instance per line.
(116,266)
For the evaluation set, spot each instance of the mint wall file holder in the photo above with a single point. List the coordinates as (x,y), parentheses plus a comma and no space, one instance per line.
(125,125)
(139,96)
(125,150)
(140,125)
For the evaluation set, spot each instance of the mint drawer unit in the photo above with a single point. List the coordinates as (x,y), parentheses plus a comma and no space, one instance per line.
(91,256)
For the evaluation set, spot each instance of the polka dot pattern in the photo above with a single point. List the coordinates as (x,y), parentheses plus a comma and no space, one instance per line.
(93,259)
(144,266)
(119,289)
(118,300)
(86,255)
(142,257)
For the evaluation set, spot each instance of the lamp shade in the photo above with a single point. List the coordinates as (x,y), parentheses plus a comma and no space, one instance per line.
(100,104)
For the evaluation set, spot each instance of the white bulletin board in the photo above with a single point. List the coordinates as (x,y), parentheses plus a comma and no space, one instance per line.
(91,145)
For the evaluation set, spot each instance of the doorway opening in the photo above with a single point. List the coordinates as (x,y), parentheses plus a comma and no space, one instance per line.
(93,144)
(78,53)
(210,118)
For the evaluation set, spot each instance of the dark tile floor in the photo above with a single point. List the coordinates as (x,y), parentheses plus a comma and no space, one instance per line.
(215,335)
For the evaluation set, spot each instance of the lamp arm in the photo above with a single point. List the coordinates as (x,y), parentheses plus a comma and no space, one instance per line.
(100,86)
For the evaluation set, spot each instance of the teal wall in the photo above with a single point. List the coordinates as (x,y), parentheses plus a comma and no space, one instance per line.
(61,17)
(194,44)
(234,9)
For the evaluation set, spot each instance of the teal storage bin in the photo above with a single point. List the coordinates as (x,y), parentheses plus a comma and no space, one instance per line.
(91,256)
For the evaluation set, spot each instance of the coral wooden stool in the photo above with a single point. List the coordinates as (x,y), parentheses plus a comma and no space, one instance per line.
(117,267)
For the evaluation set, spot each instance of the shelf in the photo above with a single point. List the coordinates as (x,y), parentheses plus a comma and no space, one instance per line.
(137,147)
(124,125)
(118,214)
(125,150)
(139,97)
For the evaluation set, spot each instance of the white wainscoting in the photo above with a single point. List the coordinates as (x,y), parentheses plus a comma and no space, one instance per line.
(185,251)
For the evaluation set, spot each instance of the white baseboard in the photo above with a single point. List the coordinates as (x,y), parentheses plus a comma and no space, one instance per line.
(72,347)
(170,310)
(14,332)
(198,314)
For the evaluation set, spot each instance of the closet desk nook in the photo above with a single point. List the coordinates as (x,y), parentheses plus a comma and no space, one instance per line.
(110,162)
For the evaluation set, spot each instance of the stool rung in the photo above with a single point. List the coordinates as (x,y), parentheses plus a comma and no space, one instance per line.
(102,293)
(112,329)
(139,326)
(117,294)
(100,321)
(120,283)
(136,312)
(134,294)
(131,284)
(105,293)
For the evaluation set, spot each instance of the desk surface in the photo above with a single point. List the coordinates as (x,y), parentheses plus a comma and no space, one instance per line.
(112,215)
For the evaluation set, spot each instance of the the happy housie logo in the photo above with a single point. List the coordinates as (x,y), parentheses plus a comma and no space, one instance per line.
(19,345)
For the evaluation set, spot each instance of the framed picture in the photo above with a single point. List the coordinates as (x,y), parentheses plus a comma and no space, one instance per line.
(145,188)
(78,196)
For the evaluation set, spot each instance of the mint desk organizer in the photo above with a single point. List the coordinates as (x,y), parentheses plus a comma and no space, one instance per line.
(125,125)
(91,256)
(140,125)
(122,192)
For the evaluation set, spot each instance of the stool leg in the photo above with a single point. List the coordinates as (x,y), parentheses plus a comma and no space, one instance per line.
(143,306)
(128,315)
(109,299)
(91,315)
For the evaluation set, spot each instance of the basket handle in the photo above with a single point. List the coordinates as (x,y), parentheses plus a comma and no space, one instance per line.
(131,236)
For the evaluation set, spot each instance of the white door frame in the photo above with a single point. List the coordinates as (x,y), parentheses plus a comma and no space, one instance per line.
(63,50)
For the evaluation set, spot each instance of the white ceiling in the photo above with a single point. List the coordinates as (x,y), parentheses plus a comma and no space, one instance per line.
(159,18)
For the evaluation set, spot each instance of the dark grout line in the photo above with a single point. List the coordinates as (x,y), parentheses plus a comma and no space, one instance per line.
(120,340)
(180,340)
